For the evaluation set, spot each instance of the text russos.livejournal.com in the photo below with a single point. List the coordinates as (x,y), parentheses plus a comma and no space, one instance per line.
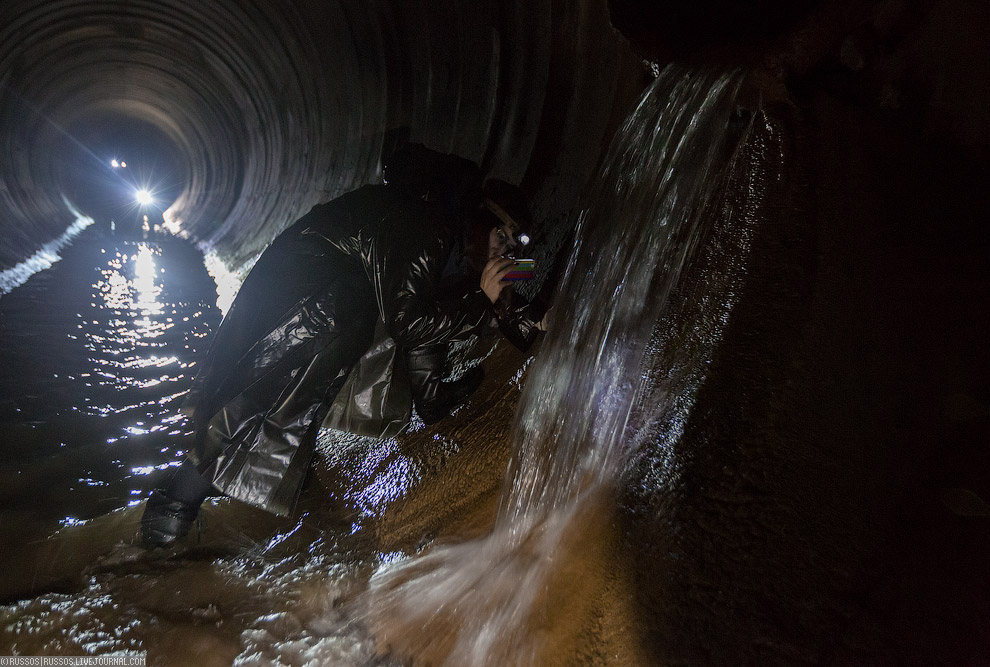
(73,660)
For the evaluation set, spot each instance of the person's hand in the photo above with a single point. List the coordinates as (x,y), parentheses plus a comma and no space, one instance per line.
(491,278)
(542,324)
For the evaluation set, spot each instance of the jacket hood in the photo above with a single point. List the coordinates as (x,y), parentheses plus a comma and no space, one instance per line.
(448,180)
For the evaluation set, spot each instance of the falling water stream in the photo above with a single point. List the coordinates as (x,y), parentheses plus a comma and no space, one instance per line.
(483,602)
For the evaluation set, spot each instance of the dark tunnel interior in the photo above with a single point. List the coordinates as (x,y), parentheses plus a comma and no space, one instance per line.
(818,493)
(257,102)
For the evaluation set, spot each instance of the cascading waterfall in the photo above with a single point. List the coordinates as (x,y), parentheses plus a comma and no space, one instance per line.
(477,603)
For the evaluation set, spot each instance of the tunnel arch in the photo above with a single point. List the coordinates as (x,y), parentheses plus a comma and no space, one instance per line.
(272,109)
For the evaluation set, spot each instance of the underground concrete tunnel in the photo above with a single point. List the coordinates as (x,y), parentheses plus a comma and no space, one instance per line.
(802,478)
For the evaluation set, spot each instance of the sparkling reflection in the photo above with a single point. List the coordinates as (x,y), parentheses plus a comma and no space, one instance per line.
(374,472)
(136,318)
(98,353)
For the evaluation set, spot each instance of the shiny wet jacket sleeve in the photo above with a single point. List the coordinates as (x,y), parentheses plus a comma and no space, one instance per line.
(518,319)
(415,313)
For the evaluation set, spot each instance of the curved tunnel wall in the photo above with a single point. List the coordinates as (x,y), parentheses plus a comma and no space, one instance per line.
(274,107)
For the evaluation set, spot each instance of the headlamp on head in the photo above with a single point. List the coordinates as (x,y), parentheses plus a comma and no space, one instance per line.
(520,238)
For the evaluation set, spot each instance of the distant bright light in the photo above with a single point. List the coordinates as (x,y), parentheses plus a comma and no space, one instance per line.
(143,197)
(114,163)
(123,164)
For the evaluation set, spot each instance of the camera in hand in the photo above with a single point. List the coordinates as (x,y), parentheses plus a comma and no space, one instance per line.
(523,270)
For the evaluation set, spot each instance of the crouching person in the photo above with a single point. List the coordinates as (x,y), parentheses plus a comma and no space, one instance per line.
(304,315)
(380,280)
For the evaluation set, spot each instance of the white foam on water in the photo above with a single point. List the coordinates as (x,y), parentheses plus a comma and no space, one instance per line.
(46,256)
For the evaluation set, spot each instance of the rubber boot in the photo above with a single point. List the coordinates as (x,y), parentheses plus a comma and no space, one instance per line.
(170,513)
(433,398)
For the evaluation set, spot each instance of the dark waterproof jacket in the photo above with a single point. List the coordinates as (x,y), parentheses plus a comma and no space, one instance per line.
(376,398)
(304,316)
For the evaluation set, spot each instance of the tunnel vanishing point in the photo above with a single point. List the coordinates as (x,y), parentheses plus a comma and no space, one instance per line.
(833,500)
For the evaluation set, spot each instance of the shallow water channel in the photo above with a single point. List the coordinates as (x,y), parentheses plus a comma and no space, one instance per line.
(97,352)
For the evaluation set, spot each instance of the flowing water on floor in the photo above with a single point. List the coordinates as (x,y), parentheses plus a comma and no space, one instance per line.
(485,602)
(96,353)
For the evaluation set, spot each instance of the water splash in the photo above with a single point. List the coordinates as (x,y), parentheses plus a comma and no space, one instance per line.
(479,603)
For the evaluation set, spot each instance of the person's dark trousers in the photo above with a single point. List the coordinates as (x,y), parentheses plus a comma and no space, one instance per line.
(433,398)
(255,433)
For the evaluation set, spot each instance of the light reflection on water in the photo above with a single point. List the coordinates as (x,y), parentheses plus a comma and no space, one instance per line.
(130,338)
(97,353)
(135,322)
(383,475)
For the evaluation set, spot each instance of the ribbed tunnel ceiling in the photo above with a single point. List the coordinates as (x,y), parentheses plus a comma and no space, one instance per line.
(248,113)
